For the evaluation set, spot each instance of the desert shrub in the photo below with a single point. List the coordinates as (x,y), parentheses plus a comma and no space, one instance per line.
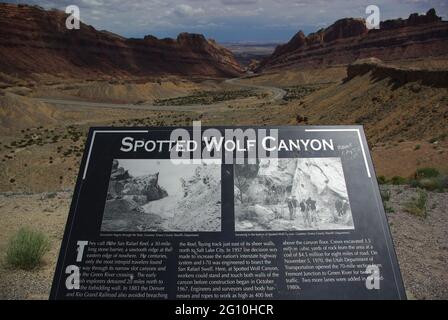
(397,180)
(430,179)
(382,180)
(443,181)
(26,249)
(385,195)
(388,208)
(417,147)
(430,184)
(414,183)
(427,173)
(417,206)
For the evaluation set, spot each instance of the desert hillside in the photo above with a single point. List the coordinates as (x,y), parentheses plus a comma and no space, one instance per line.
(349,39)
(18,112)
(392,103)
(36,41)
(55,84)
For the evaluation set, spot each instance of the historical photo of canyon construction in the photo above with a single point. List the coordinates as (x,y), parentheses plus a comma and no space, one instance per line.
(291,194)
(160,196)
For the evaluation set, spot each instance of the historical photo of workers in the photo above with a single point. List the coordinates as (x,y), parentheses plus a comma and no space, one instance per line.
(291,194)
(158,195)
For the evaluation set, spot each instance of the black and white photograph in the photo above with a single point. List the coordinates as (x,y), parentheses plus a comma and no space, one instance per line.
(291,194)
(150,195)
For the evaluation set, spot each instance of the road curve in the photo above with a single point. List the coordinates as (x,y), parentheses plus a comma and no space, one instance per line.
(276,95)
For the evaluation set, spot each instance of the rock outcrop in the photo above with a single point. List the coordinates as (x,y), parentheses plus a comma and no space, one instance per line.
(400,75)
(126,194)
(33,40)
(200,207)
(348,40)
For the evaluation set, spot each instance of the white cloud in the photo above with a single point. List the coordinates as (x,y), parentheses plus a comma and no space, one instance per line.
(185,10)
(227,19)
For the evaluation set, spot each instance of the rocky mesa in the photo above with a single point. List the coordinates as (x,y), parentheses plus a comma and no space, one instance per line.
(349,39)
(36,41)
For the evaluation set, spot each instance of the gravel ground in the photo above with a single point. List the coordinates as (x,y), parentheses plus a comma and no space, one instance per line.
(46,212)
(421,243)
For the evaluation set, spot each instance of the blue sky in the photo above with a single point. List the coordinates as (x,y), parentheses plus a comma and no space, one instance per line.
(231,20)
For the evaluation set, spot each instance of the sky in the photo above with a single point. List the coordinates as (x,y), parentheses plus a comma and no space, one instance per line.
(231,20)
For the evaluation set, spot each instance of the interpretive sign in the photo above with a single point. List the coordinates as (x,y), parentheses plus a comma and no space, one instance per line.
(227,213)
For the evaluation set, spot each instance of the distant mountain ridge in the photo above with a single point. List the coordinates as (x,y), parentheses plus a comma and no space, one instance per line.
(34,40)
(349,39)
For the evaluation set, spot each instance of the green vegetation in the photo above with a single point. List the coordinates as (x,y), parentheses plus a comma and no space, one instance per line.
(298,92)
(429,179)
(382,180)
(397,180)
(26,249)
(388,208)
(417,147)
(427,173)
(385,195)
(40,137)
(206,97)
(424,178)
(417,206)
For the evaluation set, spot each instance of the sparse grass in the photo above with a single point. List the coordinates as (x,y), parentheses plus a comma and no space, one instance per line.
(206,97)
(424,178)
(388,208)
(385,195)
(427,173)
(382,180)
(397,180)
(26,249)
(417,206)
(429,179)
(299,92)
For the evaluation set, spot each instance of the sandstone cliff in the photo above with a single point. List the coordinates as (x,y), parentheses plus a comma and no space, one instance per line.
(33,40)
(348,40)
(400,75)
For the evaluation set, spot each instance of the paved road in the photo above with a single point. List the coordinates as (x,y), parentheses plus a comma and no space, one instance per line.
(276,95)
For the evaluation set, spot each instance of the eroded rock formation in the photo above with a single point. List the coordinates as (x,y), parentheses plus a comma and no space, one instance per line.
(348,40)
(33,40)
(127,194)
(381,70)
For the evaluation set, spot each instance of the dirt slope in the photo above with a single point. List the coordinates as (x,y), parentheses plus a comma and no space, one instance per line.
(387,107)
(18,112)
